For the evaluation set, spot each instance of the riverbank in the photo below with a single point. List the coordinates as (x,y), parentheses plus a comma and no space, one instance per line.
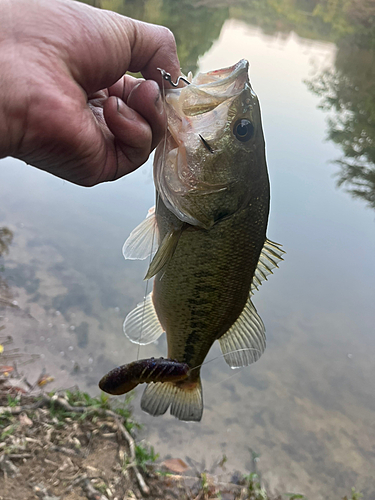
(68,445)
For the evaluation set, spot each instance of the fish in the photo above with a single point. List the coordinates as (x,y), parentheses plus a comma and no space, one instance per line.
(125,378)
(209,224)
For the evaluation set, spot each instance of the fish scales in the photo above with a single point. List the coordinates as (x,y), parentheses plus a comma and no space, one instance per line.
(207,283)
(210,221)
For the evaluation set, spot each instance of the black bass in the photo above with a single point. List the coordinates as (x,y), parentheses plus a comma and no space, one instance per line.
(210,220)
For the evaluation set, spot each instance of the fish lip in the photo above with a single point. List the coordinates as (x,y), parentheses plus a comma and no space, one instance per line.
(242,65)
(238,73)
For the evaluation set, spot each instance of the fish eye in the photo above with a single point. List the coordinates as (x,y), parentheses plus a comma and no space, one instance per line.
(243,130)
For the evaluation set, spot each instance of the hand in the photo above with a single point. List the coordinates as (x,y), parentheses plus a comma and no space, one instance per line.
(65,105)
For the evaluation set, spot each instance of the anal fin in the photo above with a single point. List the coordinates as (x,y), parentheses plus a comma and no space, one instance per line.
(185,400)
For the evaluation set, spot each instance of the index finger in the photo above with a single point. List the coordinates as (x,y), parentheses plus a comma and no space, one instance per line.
(100,46)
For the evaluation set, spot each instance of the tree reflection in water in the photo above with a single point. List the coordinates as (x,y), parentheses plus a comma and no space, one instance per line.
(348,91)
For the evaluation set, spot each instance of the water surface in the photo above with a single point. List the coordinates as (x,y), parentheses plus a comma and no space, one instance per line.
(307,406)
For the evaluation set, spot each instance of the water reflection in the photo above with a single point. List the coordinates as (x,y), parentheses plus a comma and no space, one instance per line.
(307,406)
(348,91)
(6,237)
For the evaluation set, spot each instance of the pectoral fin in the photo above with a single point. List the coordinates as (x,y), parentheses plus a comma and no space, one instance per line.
(142,325)
(143,240)
(164,253)
(245,340)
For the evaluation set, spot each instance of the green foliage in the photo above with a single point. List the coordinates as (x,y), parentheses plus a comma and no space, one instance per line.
(9,431)
(356,495)
(254,488)
(78,398)
(12,401)
(295,496)
(145,454)
(5,419)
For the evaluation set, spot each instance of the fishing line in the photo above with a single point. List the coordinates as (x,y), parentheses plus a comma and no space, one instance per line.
(223,356)
(157,196)
(237,368)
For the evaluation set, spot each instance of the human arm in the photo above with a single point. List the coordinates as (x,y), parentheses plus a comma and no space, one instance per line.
(65,106)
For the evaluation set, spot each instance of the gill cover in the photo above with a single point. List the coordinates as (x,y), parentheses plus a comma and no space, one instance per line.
(213,132)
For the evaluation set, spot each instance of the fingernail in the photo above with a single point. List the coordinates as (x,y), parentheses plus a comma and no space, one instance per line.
(124,110)
(159,105)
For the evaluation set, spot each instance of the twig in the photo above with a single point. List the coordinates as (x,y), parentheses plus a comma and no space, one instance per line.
(47,401)
(131,443)
(89,490)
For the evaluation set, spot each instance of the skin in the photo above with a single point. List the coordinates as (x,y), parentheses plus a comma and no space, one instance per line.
(65,105)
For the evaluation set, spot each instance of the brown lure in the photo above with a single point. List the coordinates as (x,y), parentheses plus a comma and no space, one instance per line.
(126,377)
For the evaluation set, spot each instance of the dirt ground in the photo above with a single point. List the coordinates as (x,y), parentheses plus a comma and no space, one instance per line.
(69,446)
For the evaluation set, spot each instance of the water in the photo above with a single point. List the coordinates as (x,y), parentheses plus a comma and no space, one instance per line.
(307,406)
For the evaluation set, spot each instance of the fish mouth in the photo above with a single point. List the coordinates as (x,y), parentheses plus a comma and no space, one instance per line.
(238,74)
(208,90)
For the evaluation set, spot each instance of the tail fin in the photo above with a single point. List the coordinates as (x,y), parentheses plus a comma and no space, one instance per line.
(185,400)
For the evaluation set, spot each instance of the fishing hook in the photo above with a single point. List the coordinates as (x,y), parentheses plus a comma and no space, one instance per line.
(167,76)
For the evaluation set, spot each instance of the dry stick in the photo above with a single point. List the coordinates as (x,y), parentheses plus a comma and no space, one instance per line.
(47,401)
(142,484)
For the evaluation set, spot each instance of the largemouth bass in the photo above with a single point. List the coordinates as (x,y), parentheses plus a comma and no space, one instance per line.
(210,220)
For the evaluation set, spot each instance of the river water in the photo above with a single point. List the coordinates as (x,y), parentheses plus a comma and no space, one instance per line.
(307,406)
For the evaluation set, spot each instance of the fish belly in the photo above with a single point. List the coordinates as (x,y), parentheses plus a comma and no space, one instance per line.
(205,285)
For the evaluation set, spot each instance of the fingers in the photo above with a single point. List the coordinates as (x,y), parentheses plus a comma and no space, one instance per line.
(153,47)
(116,44)
(132,143)
(123,87)
(138,125)
(146,100)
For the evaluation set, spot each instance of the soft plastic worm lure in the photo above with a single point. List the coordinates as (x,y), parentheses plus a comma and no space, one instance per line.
(124,378)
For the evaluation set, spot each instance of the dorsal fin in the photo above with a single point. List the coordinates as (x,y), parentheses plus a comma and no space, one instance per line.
(269,258)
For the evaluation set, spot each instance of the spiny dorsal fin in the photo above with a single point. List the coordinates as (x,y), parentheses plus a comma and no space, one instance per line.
(142,325)
(245,341)
(143,240)
(269,258)
(164,253)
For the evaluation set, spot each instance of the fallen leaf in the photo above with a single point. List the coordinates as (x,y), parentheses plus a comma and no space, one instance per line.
(6,369)
(13,389)
(45,379)
(1,348)
(24,420)
(176,465)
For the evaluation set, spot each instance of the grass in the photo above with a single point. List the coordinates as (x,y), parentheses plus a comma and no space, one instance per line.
(255,489)
(145,455)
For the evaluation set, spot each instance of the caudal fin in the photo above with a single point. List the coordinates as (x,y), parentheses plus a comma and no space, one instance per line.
(185,400)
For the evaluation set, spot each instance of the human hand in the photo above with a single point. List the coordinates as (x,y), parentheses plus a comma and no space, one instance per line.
(65,105)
